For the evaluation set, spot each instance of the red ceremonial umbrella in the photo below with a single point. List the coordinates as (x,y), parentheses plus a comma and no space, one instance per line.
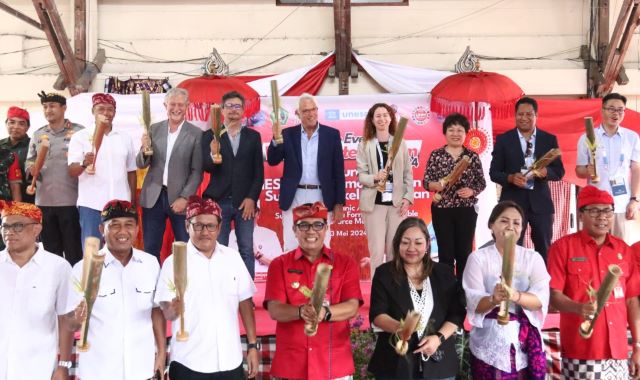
(207,90)
(461,93)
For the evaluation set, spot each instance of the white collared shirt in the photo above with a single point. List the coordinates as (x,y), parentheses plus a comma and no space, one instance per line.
(309,149)
(32,297)
(613,159)
(523,143)
(215,287)
(171,140)
(115,159)
(120,330)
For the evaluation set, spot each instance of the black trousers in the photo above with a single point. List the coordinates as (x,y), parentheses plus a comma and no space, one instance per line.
(61,232)
(454,228)
(541,231)
(178,371)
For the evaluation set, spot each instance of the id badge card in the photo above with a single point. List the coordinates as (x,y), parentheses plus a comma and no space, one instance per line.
(529,184)
(618,292)
(618,186)
(387,195)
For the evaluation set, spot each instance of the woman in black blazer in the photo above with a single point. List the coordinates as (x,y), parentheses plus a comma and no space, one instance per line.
(412,281)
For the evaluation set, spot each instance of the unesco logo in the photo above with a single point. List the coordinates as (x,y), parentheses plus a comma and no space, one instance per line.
(420,115)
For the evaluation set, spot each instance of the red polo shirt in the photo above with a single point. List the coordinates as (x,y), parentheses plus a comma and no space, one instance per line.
(14,173)
(327,355)
(574,262)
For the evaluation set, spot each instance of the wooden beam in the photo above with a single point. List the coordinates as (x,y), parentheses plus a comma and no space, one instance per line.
(628,21)
(342,25)
(62,51)
(20,15)
(80,32)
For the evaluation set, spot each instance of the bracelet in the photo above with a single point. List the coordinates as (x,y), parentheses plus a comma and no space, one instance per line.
(519,296)
(300,311)
(491,300)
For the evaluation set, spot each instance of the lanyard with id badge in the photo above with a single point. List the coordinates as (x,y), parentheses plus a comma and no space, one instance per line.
(387,194)
(529,159)
(618,180)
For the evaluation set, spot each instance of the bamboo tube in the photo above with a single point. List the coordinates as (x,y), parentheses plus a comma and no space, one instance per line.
(407,328)
(275,101)
(508,262)
(180,281)
(146,119)
(91,274)
(96,141)
(452,178)
(216,128)
(592,144)
(37,166)
(545,160)
(395,146)
(323,273)
(603,294)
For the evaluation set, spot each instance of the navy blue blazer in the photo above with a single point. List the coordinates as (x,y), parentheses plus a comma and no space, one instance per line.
(330,165)
(508,158)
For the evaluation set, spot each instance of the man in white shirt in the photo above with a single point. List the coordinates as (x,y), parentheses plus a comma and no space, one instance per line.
(127,330)
(617,163)
(115,166)
(175,171)
(33,288)
(218,286)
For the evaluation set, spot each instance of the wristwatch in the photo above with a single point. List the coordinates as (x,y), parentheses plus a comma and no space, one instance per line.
(441,337)
(327,314)
(255,345)
(65,364)
(634,199)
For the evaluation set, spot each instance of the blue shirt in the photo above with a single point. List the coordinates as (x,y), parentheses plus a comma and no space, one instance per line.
(309,158)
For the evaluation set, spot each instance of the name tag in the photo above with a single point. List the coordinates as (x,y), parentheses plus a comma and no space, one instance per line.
(618,292)
(387,195)
(618,186)
(578,259)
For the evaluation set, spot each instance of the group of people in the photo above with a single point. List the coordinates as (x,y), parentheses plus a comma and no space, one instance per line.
(86,186)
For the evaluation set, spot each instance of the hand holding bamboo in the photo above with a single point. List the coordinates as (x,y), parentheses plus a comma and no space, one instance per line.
(603,294)
(452,178)
(216,128)
(407,327)
(90,283)
(96,141)
(37,166)
(320,284)
(508,263)
(544,161)
(180,281)
(592,145)
(275,101)
(146,119)
(395,146)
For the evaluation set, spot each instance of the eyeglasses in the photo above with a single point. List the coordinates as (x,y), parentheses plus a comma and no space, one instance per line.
(529,150)
(615,110)
(211,227)
(233,106)
(317,226)
(15,227)
(437,356)
(596,212)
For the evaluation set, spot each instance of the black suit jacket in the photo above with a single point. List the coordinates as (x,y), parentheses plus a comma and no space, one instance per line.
(508,158)
(241,175)
(389,297)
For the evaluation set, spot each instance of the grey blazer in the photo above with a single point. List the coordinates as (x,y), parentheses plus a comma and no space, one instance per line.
(185,164)
(367,166)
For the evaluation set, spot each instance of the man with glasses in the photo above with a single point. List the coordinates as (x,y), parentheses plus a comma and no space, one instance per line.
(514,153)
(34,285)
(326,355)
(56,190)
(127,330)
(617,163)
(579,262)
(219,286)
(313,167)
(236,182)
(18,123)
(175,171)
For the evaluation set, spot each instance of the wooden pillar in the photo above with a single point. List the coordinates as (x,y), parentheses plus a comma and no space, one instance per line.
(342,25)
(80,32)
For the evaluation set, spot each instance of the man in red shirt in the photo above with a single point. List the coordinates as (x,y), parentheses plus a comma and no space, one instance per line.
(575,263)
(327,355)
